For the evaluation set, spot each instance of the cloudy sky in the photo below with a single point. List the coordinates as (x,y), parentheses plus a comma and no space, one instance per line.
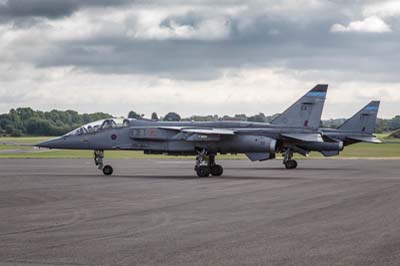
(198,56)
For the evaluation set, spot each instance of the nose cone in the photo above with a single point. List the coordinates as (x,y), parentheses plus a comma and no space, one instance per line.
(51,144)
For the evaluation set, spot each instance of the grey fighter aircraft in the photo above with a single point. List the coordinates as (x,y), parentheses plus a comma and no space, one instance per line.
(296,130)
(359,128)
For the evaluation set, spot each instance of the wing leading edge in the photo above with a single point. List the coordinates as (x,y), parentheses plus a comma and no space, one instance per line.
(305,137)
(205,131)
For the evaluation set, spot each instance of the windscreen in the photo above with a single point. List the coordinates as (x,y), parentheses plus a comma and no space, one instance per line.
(98,126)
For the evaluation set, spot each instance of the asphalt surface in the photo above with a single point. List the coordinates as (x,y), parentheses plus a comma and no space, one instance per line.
(157,212)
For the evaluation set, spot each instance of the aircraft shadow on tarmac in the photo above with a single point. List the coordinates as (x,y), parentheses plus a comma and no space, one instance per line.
(183,177)
(291,171)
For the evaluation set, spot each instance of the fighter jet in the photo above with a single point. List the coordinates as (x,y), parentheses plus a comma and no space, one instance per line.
(295,130)
(359,128)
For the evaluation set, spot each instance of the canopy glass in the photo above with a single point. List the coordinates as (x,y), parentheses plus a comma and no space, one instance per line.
(100,125)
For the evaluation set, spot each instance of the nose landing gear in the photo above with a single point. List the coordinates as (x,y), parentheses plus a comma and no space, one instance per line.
(108,170)
(288,161)
(98,160)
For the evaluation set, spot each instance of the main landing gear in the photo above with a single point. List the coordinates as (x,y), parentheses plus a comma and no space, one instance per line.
(98,160)
(205,165)
(288,161)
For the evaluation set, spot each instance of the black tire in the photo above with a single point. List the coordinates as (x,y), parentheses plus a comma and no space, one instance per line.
(203,171)
(216,170)
(108,170)
(291,164)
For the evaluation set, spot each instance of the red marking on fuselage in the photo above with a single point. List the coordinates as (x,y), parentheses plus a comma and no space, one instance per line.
(152,132)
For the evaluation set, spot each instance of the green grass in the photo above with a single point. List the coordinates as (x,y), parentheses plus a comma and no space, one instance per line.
(389,149)
(24,140)
(13,147)
(385,138)
(366,150)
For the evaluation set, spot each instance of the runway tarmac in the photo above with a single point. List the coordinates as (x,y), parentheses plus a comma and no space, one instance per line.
(157,212)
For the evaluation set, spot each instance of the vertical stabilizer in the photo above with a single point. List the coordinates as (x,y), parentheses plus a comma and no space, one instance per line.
(364,121)
(307,111)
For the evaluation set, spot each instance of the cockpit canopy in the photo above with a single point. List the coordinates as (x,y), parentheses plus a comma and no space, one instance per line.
(100,125)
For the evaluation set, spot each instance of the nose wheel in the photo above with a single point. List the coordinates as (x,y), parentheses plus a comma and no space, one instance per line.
(288,161)
(291,164)
(108,170)
(98,160)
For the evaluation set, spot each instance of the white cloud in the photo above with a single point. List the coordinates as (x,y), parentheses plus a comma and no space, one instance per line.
(253,78)
(236,91)
(372,24)
(383,9)
(161,24)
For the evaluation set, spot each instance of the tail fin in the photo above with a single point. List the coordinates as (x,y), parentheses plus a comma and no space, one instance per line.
(364,121)
(307,111)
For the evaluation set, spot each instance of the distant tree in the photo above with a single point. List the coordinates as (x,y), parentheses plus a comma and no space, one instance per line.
(395,123)
(228,118)
(202,118)
(25,113)
(38,126)
(16,133)
(133,114)
(332,123)
(272,117)
(23,121)
(16,119)
(154,116)
(241,117)
(172,117)
(257,118)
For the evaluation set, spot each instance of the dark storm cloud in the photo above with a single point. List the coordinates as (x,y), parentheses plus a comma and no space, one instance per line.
(277,39)
(269,42)
(16,9)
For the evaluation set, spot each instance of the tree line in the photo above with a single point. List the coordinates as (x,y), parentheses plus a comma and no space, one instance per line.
(26,121)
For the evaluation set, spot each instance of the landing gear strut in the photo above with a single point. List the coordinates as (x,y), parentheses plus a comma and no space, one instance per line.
(205,165)
(98,160)
(288,161)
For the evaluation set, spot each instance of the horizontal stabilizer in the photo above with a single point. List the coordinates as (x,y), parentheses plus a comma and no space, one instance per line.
(365,139)
(306,137)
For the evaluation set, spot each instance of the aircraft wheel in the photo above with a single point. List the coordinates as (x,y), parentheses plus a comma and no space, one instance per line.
(291,164)
(108,170)
(216,170)
(203,171)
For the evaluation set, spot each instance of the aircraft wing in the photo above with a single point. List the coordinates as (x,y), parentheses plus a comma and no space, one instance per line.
(172,128)
(365,139)
(211,131)
(203,131)
(200,134)
(306,137)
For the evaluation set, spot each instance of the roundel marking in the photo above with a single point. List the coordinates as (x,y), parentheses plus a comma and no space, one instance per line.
(113,137)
